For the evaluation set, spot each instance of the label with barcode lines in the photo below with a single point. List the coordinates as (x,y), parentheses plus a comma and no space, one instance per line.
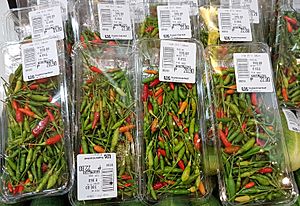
(296,4)
(234,25)
(193,5)
(115,21)
(236,4)
(177,62)
(293,120)
(96,176)
(63,4)
(46,23)
(174,22)
(225,3)
(40,60)
(253,72)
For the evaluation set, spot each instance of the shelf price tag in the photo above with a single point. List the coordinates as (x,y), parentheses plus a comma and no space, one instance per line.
(40,60)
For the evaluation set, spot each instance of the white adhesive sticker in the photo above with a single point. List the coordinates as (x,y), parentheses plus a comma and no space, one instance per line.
(40,60)
(253,72)
(174,22)
(177,62)
(293,119)
(234,25)
(296,4)
(96,176)
(115,21)
(193,4)
(63,3)
(46,23)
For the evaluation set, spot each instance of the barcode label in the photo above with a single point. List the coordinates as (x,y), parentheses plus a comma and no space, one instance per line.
(177,62)
(234,25)
(225,3)
(174,22)
(296,4)
(96,176)
(46,23)
(293,120)
(40,60)
(193,4)
(236,4)
(115,21)
(253,72)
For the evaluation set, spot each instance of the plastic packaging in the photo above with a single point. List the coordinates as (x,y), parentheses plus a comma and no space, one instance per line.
(146,20)
(105,115)
(170,129)
(254,164)
(35,155)
(287,67)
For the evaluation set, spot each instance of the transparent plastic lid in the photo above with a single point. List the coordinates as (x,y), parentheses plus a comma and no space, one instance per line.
(35,146)
(105,119)
(246,125)
(170,123)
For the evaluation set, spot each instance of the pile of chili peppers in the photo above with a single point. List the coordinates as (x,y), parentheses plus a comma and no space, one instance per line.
(288,65)
(149,27)
(171,137)
(35,155)
(248,132)
(107,118)
(89,38)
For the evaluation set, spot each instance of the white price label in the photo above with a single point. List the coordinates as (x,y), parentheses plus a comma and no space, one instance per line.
(296,4)
(177,62)
(40,60)
(63,3)
(234,25)
(193,5)
(115,21)
(252,5)
(174,22)
(253,72)
(96,176)
(293,119)
(46,23)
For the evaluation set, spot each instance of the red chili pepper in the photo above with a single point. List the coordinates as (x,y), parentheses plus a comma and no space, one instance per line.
(95,69)
(28,112)
(53,140)
(159,92)
(96,39)
(249,185)
(83,42)
(176,119)
(244,126)
(158,185)
(150,107)
(56,103)
(126,177)
(40,127)
(158,154)
(181,165)
(186,130)
(292,79)
(33,86)
(290,20)
(10,187)
(27,181)
(154,82)
(112,43)
(226,131)
(41,81)
(285,94)
(253,99)
(149,29)
(15,105)
(265,170)
(189,85)
(172,86)
(162,152)
(289,27)
(19,116)
(145,92)
(166,132)
(81,150)
(160,100)
(224,139)
(160,139)
(44,167)
(96,119)
(197,141)
(50,115)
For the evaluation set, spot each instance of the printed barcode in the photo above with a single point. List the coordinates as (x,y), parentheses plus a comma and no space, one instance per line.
(29,57)
(225,3)
(37,25)
(106,20)
(235,3)
(108,180)
(168,57)
(242,68)
(165,18)
(225,21)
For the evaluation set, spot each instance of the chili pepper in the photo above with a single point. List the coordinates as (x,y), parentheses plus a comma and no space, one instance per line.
(290,20)
(265,170)
(159,92)
(186,173)
(231,149)
(224,139)
(254,99)
(53,140)
(28,113)
(197,141)
(247,146)
(183,106)
(243,199)
(154,82)
(40,127)
(249,185)
(114,140)
(172,86)
(181,165)
(285,94)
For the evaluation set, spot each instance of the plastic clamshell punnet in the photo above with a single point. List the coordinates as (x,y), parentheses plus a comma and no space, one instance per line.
(254,164)
(105,116)
(146,20)
(170,129)
(288,58)
(35,154)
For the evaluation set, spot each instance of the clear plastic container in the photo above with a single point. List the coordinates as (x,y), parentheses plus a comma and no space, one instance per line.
(105,74)
(288,56)
(209,31)
(254,164)
(146,19)
(36,157)
(170,130)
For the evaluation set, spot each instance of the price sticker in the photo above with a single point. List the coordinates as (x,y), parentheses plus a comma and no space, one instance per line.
(234,25)
(293,119)
(177,62)
(193,5)
(174,22)
(253,72)
(63,3)
(46,23)
(96,176)
(115,21)
(40,60)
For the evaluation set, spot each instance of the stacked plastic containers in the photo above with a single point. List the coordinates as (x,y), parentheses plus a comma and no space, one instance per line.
(36,156)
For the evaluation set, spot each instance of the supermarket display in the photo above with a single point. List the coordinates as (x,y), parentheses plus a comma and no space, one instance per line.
(150,102)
